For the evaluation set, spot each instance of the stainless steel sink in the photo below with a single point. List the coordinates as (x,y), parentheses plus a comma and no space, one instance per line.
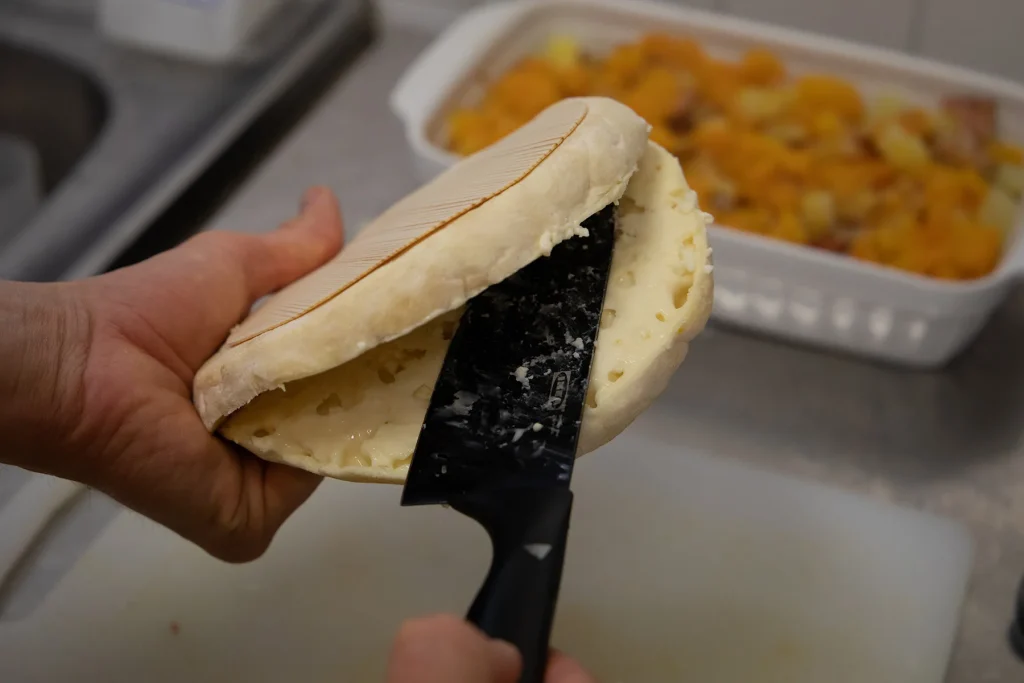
(121,133)
(52,105)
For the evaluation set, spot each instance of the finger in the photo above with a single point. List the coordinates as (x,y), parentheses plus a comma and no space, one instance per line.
(297,247)
(285,489)
(447,649)
(191,296)
(212,493)
(565,669)
(254,501)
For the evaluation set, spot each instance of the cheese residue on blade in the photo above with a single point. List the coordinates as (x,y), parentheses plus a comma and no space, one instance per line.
(464,401)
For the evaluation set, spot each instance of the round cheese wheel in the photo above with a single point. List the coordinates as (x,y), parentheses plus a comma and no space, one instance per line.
(360,420)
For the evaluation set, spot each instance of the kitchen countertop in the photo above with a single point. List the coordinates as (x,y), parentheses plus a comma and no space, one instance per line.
(949,442)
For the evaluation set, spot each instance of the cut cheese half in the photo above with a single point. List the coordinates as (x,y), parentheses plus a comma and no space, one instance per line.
(476,224)
(360,421)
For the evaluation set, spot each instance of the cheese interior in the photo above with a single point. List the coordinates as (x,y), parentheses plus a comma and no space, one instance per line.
(362,418)
(653,269)
(365,413)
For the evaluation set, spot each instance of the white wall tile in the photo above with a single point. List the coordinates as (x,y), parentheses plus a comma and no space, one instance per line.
(987,35)
(877,22)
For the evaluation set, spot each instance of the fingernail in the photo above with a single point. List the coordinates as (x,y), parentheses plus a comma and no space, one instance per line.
(312,195)
(506,653)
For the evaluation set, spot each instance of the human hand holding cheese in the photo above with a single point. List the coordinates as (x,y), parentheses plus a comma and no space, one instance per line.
(122,381)
(101,372)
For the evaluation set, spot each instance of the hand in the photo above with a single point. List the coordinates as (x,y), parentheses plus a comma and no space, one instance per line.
(105,380)
(450,650)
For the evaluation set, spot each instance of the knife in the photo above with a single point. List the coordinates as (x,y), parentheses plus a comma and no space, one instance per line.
(499,439)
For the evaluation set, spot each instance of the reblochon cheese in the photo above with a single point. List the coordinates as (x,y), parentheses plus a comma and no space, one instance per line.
(359,419)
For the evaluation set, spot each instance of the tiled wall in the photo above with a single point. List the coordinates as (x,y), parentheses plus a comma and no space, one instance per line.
(987,35)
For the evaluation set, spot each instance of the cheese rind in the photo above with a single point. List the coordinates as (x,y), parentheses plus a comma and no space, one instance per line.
(360,421)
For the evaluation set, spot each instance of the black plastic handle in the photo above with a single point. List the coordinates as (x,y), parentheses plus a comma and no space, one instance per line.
(1017,627)
(528,529)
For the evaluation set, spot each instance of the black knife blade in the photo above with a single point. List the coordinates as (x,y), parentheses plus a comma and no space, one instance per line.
(508,403)
(499,439)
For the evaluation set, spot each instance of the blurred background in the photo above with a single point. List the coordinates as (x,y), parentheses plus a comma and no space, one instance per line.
(982,34)
(864,161)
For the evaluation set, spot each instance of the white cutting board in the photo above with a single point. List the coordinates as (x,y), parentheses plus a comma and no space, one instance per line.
(681,568)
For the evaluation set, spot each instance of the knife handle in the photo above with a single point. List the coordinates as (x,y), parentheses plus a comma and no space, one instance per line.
(528,529)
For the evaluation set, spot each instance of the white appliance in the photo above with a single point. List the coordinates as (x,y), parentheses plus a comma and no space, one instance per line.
(206,30)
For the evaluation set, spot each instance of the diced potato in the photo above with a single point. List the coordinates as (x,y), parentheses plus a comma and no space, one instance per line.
(1010,179)
(563,52)
(763,104)
(818,209)
(856,207)
(827,124)
(884,109)
(999,210)
(902,149)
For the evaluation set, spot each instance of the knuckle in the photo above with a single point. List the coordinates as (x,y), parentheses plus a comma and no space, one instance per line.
(219,243)
(443,627)
(235,538)
(237,551)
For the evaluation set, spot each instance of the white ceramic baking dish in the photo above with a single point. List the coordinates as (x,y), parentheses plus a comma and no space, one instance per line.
(785,290)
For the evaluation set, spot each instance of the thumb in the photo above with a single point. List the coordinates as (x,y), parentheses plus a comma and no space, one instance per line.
(447,649)
(563,669)
(297,247)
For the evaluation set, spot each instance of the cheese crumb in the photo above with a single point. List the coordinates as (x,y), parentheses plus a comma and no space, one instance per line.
(522,377)
(464,401)
(545,243)
(690,201)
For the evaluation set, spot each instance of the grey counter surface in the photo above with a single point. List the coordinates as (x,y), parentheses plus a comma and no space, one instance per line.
(948,442)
